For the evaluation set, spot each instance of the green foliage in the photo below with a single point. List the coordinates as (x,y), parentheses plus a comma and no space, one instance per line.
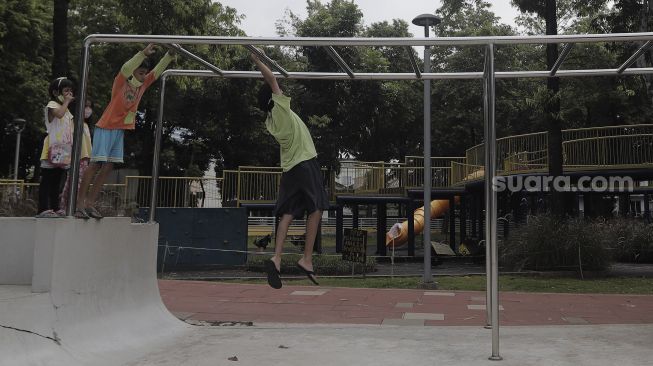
(25,54)
(18,208)
(631,239)
(546,242)
(324,265)
(213,118)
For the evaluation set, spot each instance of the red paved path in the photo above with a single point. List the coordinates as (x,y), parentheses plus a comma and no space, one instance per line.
(214,301)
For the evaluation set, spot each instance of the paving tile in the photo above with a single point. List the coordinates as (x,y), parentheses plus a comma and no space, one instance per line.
(309,293)
(405,322)
(438,293)
(481,307)
(214,301)
(424,316)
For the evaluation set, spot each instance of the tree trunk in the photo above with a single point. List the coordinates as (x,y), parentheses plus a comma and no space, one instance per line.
(552,111)
(60,39)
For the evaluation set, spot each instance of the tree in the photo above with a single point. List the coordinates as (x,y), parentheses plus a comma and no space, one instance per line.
(25,54)
(200,115)
(547,10)
(630,16)
(458,104)
(60,39)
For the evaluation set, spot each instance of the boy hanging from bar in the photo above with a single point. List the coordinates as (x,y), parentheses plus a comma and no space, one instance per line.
(301,189)
(129,85)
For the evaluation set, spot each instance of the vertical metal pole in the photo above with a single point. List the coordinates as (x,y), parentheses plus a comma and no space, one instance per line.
(73,177)
(488,189)
(339,227)
(491,214)
(452,223)
(428,278)
(381,225)
(157,151)
(411,228)
(17,154)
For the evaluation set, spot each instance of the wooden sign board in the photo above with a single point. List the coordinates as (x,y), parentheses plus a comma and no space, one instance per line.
(354,248)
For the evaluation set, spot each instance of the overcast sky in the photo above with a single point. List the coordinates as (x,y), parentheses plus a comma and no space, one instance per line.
(261,15)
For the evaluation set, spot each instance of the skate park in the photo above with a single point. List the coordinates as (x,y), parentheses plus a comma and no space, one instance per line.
(69,298)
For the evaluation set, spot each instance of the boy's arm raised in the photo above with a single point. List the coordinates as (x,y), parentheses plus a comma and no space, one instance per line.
(268,76)
(133,63)
(163,64)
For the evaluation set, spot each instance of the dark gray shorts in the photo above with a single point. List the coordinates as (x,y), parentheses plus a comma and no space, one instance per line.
(302,190)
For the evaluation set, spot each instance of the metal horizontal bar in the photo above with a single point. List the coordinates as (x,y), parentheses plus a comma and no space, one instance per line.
(265,58)
(561,58)
(193,56)
(354,41)
(343,65)
(634,57)
(413,62)
(411,76)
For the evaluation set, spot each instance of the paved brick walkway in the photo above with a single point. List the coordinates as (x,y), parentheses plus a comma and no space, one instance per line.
(214,301)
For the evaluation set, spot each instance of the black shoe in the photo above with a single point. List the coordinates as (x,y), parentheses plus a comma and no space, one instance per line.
(309,274)
(274,278)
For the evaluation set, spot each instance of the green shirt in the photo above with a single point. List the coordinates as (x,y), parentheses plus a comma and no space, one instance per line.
(296,144)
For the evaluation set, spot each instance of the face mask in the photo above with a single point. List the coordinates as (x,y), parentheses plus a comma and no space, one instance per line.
(134,82)
(87,112)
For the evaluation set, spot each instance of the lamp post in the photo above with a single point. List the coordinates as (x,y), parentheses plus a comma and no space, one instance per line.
(426,21)
(19,125)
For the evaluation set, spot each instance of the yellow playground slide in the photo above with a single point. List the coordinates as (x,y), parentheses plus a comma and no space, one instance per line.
(398,234)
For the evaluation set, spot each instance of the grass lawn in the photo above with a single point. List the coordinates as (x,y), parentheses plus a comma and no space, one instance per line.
(616,285)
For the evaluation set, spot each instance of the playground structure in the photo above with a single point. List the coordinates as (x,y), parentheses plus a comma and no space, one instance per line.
(74,283)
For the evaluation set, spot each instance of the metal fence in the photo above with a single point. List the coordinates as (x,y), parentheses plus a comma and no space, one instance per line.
(596,148)
(121,198)
(172,191)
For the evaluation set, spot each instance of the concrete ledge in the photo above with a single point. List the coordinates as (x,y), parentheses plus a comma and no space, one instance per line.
(93,294)
(17,248)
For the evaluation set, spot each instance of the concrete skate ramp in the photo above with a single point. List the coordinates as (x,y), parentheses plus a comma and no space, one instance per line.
(76,292)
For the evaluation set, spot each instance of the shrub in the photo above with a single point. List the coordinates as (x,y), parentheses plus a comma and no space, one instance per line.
(323,264)
(20,208)
(546,243)
(632,240)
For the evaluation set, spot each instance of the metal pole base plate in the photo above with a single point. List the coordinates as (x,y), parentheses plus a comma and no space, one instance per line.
(495,358)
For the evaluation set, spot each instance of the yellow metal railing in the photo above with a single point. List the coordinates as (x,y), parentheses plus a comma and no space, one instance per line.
(615,152)
(258,184)
(462,173)
(436,162)
(590,132)
(172,191)
(612,147)
(135,192)
(522,153)
(18,190)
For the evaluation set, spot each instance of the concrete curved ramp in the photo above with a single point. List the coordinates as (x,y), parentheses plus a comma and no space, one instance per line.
(80,292)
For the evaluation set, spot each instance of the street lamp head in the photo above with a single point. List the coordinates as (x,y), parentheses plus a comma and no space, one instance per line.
(427,20)
(19,124)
